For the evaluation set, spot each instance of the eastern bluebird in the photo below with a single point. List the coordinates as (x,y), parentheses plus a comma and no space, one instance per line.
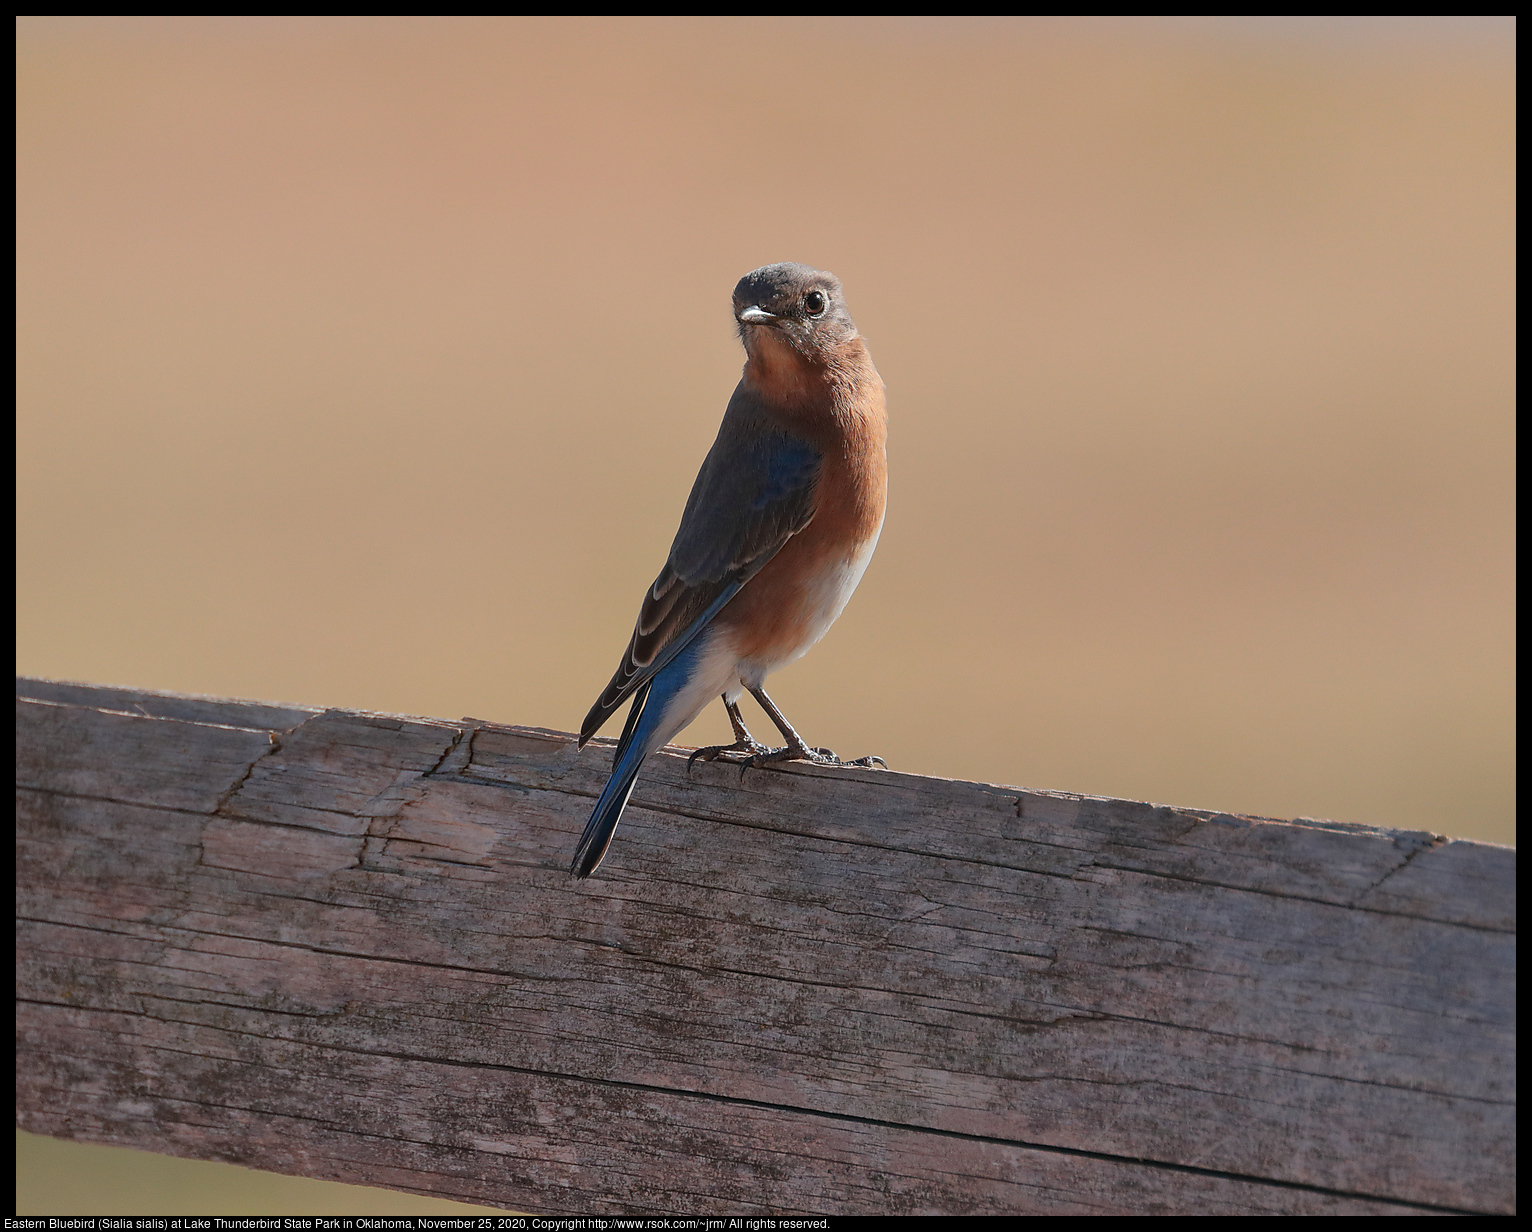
(778,529)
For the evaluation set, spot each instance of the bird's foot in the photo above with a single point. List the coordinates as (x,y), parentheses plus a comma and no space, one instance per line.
(750,747)
(802,752)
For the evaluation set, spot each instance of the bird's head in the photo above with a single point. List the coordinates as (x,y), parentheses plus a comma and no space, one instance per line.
(793,306)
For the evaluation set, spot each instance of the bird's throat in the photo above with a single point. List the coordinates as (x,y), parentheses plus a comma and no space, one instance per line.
(778,371)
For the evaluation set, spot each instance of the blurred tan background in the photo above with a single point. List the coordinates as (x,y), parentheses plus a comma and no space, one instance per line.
(368,362)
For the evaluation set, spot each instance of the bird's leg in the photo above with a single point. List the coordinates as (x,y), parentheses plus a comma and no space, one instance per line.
(796,749)
(744,742)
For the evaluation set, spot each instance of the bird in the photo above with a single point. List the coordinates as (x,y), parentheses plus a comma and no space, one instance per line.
(777,532)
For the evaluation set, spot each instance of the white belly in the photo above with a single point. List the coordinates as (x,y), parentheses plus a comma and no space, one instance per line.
(822,603)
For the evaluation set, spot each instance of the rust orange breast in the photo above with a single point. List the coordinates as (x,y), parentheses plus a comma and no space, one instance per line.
(790,604)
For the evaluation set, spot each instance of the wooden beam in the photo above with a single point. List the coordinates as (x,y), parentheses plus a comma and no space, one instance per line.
(344,945)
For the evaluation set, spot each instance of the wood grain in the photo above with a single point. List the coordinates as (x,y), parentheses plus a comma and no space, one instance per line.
(344,945)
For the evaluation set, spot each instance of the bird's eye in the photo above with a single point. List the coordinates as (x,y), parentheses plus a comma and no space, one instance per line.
(814,303)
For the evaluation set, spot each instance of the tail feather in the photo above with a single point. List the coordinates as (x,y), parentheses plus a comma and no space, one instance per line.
(628,728)
(603,819)
(661,707)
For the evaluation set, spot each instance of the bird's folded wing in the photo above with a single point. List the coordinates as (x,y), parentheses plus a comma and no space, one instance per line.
(755,491)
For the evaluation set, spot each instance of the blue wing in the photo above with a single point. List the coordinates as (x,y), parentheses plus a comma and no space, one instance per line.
(754,492)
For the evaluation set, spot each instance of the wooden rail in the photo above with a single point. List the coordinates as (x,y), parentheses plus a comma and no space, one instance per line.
(344,945)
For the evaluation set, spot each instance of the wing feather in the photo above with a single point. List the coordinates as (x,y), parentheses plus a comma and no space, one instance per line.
(755,491)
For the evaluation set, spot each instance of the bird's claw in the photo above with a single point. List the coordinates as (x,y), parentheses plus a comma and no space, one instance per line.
(816,756)
(714,751)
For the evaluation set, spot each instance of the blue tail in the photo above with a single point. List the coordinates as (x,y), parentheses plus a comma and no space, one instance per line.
(640,736)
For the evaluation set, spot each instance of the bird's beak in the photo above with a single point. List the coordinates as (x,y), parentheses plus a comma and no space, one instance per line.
(755,316)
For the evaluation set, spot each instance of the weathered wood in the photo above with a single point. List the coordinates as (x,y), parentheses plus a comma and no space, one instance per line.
(344,945)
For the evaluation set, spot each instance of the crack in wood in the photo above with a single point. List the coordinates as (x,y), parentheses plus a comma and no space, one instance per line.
(1305,898)
(806,1111)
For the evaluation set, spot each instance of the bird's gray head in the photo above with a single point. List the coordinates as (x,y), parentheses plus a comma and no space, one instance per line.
(800,305)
